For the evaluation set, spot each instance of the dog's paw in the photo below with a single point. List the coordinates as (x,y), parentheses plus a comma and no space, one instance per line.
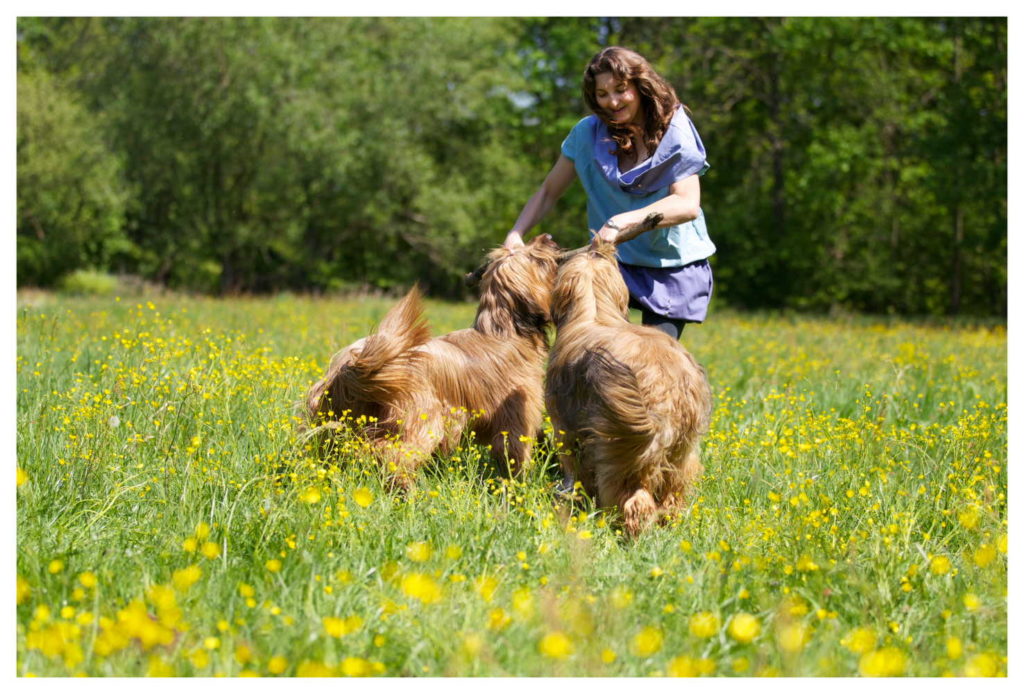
(639,511)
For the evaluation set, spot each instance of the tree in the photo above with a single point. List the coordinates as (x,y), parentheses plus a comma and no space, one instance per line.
(71,197)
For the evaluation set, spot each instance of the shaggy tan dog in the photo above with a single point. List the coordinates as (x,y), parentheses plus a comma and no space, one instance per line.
(628,402)
(412,395)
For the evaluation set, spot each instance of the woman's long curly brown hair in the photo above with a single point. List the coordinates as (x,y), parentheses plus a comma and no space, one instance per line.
(657,97)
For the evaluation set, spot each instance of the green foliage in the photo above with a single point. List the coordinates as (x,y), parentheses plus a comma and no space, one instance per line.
(72,199)
(89,283)
(857,163)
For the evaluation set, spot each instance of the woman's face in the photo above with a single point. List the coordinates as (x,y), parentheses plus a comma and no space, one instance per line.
(618,98)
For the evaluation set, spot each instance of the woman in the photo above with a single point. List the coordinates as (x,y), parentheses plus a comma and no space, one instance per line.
(638,154)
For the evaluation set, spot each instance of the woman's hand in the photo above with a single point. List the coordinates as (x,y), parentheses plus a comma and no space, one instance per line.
(614,226)
(513,241)
(605,233)
(562,174)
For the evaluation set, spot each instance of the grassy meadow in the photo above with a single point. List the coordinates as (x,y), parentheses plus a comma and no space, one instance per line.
(852,519)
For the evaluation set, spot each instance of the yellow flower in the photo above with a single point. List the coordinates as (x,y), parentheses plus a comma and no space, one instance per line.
(793,637)
(805,563)
(556,645)
(418,551)
(243,654)
(211,550)
(202,531)
(647,642)
(971,602)
(704,625)
(608,656)
(622,597)
(159,668)
(472,644)
(245,590)
(55,566)
(954,648)
(310,496)
(522,602)
(982,665)
(273,565)
(984,555)
(498,619)
(313,669)
(940,565)
(211,643)
(744,627)
(682,666)
(969,518)
(356,667)
(338,626)
(453,552)
(486,586)
(363,497)
(860,640)
(190,544)
(22,477)
(24,590)
(199,659)
(277,665)
(421,587)
(887,662)
(184,578)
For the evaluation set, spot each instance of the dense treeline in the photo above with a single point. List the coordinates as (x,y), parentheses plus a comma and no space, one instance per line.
(856,163)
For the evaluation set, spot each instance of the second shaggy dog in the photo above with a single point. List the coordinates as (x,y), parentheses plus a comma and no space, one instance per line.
(412,395)
(628,403)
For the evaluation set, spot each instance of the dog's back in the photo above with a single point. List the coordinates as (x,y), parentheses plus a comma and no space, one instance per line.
(637,398)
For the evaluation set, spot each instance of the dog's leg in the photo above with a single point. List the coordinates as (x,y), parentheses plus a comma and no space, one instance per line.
(565,449)
(637,505)
(511,449)
(639,511)
(513,430)
(417,442)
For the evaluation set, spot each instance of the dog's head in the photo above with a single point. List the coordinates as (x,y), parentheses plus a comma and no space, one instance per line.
(515,288)
(589,286)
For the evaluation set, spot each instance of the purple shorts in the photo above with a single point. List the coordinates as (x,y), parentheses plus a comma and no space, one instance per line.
(682,293)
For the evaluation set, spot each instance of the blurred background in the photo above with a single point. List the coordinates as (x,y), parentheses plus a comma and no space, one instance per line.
(857,164)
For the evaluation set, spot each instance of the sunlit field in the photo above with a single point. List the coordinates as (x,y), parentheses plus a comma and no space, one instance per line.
(852,519)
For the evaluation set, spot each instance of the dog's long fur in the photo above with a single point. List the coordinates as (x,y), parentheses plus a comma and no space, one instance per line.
(418,394)
(631,401)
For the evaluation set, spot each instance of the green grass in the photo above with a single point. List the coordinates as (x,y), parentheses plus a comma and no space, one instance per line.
(854,504)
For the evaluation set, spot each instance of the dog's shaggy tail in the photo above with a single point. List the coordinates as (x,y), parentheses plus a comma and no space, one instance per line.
(622,418)
(380,371)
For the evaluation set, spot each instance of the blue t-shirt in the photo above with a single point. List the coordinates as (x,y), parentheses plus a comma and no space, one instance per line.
(610,192)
